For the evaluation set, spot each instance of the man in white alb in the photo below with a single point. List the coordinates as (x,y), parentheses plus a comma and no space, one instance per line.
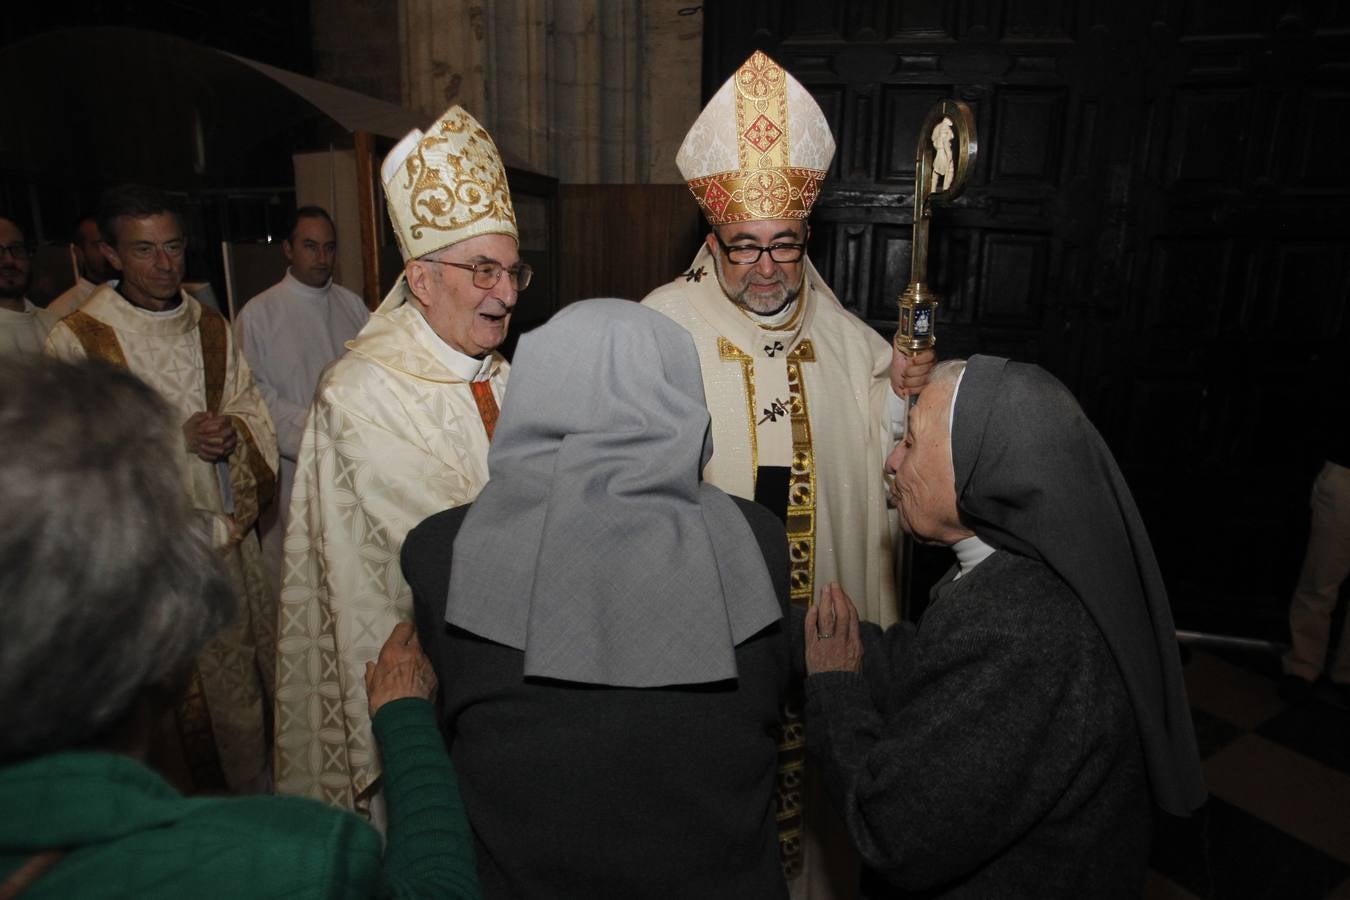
(289,333)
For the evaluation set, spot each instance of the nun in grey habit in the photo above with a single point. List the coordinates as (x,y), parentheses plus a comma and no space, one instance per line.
(609,631)
(1018,740)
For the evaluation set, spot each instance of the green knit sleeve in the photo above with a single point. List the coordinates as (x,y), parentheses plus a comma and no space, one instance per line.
(429,852)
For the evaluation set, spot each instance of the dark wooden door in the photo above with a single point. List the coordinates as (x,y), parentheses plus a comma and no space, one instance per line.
(1159,215)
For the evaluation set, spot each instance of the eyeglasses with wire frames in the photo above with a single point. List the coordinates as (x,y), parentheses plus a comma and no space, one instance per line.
(487,274)
(749,254)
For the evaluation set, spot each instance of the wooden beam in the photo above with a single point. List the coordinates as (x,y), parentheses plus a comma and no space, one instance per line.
(370,225)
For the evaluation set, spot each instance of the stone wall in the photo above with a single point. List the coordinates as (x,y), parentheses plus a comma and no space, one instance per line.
(587,91)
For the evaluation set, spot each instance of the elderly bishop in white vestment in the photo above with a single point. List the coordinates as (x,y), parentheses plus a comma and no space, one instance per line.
(399,430)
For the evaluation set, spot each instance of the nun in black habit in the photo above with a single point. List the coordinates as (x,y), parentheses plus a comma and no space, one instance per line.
(609,631)
(1018,740)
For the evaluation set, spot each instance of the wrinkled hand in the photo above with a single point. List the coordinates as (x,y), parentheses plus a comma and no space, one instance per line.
(211,438)
(909,374)
(402,670)
(832,640)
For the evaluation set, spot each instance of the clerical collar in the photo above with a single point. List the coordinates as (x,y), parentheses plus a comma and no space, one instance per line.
(461,364)
(970,552)
(299,287)
(178,301)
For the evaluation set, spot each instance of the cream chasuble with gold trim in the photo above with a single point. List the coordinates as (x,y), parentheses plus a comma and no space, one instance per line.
(394,436)
(166,351)
(830,373)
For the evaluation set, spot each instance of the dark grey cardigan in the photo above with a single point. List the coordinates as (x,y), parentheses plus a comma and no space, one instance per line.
(993,751)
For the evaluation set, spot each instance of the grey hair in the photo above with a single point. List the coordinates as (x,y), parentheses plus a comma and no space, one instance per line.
(107,586)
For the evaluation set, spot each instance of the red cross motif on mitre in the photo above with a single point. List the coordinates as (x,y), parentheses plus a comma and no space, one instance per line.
(762,134)
(715,199)
(810,189)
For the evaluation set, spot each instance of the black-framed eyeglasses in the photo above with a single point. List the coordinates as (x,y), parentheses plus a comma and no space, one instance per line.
(487,274)
(749,254)
(20,251)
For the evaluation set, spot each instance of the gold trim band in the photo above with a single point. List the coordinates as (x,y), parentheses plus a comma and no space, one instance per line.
(745,195)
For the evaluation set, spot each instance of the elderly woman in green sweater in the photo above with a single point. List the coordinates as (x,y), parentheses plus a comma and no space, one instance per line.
(109,595)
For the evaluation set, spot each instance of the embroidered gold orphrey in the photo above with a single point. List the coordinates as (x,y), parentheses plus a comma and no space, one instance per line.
(801,532)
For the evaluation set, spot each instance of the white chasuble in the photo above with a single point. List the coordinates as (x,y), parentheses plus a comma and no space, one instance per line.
(187,355)
(394,436)
(830,373)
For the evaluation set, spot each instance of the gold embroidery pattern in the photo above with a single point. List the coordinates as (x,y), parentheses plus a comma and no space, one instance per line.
(253,484)
(762,114)
(211,332)
(788,785)
(801,532)
(199,741)
(801,529)
(454,180)
(801,506)
(729,352)
(98,339)
(778,193)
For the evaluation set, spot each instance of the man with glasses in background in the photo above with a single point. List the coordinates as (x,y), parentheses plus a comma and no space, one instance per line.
(399,430)
(228,456)
(22,326)
(806,398)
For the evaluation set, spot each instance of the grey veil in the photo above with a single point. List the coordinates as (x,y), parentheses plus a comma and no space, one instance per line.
(1034,476)
(595,547)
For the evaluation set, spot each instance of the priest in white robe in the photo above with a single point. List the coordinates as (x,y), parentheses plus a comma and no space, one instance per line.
(228,460)
(289,333)
(399,430)
(806,398)
(22,324)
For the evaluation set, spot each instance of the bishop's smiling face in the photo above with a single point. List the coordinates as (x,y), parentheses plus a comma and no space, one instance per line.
(763,287)
(470,319)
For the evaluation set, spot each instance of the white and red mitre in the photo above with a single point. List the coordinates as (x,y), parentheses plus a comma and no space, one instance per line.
(760,148)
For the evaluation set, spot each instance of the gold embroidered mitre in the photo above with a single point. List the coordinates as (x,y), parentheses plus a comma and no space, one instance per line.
(760,148)
(446,185)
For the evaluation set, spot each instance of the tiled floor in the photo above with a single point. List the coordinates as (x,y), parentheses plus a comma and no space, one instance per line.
(1277,824)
